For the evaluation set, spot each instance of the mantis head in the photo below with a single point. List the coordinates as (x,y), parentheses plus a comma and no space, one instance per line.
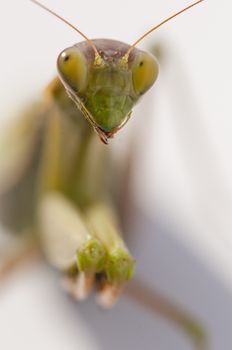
(105,78)
(106,87)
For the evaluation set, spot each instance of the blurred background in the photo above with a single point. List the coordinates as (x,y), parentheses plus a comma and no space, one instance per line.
(180,221)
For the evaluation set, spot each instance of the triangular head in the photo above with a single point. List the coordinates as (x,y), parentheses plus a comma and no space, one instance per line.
(107,88)
(105,78)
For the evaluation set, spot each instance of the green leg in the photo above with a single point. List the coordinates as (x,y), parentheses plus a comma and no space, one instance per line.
(154,302)
(119,266)
(68,244)
(83,243)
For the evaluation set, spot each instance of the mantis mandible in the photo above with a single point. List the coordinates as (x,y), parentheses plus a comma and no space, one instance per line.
(56,179)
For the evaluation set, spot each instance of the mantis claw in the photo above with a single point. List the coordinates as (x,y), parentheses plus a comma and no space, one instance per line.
(79,287)
(108,295)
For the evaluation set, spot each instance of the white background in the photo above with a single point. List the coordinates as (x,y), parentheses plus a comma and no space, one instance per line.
(182,175)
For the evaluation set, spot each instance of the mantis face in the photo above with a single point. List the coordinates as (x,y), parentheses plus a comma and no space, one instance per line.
(106,89)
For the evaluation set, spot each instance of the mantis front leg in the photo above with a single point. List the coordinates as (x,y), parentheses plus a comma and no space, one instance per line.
(78,231)
(68,245)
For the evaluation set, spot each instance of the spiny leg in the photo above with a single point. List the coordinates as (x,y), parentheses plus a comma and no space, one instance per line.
(85,245)
(119,267)
(68,245)
(73,208)
(156,303)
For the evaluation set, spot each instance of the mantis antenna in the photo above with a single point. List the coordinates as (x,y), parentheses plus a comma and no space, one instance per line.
(125,58)
(97,56)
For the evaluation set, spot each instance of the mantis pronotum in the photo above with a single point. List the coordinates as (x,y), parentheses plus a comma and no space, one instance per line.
(57,183)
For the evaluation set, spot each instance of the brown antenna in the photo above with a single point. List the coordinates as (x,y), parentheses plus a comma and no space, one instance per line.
(97,56)
(125,58)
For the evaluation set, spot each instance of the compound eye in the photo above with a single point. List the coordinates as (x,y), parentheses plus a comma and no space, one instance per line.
(144,72)
(72,67)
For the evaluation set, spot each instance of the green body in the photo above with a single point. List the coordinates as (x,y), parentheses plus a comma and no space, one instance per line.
(56,178)
(56,175)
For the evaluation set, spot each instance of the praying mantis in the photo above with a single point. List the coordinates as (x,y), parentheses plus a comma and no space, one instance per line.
(56,180)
